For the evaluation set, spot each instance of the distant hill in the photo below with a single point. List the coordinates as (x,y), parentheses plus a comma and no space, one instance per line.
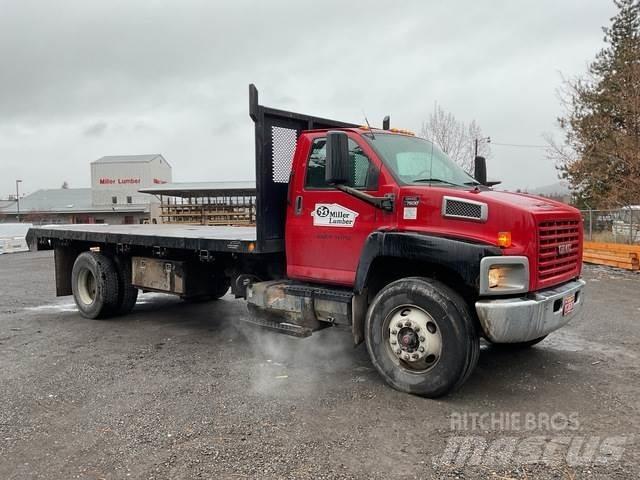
(560,189)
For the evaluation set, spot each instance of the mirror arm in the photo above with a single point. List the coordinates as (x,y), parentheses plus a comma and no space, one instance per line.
(383,203)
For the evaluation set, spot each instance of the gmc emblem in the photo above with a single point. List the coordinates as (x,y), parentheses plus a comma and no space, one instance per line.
(564,248)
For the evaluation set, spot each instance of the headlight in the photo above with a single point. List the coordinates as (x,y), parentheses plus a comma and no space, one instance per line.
(504,275)
(494,276)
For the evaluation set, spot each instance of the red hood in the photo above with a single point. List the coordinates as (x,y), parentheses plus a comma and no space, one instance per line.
(524,216)
(532,203)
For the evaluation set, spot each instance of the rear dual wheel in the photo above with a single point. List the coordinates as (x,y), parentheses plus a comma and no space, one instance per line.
(421,337)
(127,293)
(95,285)
(101,285)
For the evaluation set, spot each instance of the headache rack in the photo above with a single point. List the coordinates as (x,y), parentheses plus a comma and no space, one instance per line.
(276,137)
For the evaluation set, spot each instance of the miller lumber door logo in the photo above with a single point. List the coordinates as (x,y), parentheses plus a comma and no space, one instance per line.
(333,215)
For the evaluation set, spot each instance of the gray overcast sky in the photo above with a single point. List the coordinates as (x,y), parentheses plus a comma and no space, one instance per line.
(82,79)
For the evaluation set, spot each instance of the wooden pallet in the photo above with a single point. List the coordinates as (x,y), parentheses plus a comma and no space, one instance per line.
(612,247)
(612,255)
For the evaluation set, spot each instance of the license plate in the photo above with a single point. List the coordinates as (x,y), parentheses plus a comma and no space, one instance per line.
(567,304)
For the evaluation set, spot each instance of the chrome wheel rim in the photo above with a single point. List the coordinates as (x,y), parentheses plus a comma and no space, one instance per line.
(412,338)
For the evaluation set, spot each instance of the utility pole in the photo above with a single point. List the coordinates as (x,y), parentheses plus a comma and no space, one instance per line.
(18,182)
(478,140)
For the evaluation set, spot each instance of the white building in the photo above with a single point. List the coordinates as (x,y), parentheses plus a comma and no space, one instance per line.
(115,180)
(113,197)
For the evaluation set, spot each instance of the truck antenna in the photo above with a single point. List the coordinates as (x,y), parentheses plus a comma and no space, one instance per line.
(368,125)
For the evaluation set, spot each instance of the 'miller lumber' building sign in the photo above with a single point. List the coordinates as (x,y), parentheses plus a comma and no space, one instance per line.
(119,181)
(124,181)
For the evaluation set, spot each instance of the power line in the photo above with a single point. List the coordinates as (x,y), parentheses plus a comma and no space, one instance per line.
(518,145)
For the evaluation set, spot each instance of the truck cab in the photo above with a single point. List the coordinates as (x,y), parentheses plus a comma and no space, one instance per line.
(374,231)
(426,194)
(376,210)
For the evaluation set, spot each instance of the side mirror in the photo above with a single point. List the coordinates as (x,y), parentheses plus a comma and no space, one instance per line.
(337,167)
(480,170)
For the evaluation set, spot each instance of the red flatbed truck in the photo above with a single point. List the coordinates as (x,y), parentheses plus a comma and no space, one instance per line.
(374,230)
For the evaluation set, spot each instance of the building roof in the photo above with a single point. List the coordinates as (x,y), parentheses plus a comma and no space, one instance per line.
(130,158)
(202,189)
(66,200)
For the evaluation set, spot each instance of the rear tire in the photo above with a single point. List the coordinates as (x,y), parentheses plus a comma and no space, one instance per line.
(127,293)
(94,282)
(421,337)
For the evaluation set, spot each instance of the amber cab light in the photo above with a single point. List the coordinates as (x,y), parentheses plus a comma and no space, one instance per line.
(504,239)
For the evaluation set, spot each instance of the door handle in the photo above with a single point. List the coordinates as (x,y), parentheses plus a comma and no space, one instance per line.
(298,204)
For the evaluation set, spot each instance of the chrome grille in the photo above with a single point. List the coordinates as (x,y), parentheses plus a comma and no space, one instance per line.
(558,251)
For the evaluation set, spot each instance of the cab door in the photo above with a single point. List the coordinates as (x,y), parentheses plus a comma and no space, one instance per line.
(327,228)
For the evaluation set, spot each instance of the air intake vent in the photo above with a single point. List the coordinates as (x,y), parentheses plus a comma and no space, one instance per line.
(464,209)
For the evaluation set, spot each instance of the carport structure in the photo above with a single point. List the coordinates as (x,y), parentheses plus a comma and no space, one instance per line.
(205,203)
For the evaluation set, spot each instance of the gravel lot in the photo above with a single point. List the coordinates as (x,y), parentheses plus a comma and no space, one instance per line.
(186,391)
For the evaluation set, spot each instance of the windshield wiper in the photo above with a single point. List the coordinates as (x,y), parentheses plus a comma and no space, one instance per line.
(435,180)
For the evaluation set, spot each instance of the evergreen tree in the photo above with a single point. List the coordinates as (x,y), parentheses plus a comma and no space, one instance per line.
(601,155)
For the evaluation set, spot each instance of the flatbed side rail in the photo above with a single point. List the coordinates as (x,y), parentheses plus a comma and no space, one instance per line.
(42,238)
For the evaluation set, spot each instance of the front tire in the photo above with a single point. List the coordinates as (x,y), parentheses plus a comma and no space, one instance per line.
(94,282)
(421,337)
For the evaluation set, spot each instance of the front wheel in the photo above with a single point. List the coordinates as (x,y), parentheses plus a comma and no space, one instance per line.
(421,337)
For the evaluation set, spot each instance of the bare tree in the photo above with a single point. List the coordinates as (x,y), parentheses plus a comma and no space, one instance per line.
(455,137)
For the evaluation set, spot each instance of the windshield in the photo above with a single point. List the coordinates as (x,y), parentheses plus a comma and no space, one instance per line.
(416,160)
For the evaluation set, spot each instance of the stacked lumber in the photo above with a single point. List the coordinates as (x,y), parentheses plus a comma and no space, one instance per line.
(612,254)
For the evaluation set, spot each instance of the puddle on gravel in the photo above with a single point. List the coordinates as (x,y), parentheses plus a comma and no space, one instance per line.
(70,306)
(55,307)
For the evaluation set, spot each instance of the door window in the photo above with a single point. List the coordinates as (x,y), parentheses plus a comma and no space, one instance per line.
(363,173)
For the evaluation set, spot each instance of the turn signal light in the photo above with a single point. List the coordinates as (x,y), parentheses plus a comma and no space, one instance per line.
(504,239)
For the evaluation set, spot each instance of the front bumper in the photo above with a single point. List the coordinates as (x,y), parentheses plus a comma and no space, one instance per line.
(527,318)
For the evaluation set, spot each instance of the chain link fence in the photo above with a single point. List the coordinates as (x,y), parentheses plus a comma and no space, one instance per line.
(612,226)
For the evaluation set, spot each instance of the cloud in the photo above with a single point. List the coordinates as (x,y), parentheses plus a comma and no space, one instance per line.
(96,129)
(182,69)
